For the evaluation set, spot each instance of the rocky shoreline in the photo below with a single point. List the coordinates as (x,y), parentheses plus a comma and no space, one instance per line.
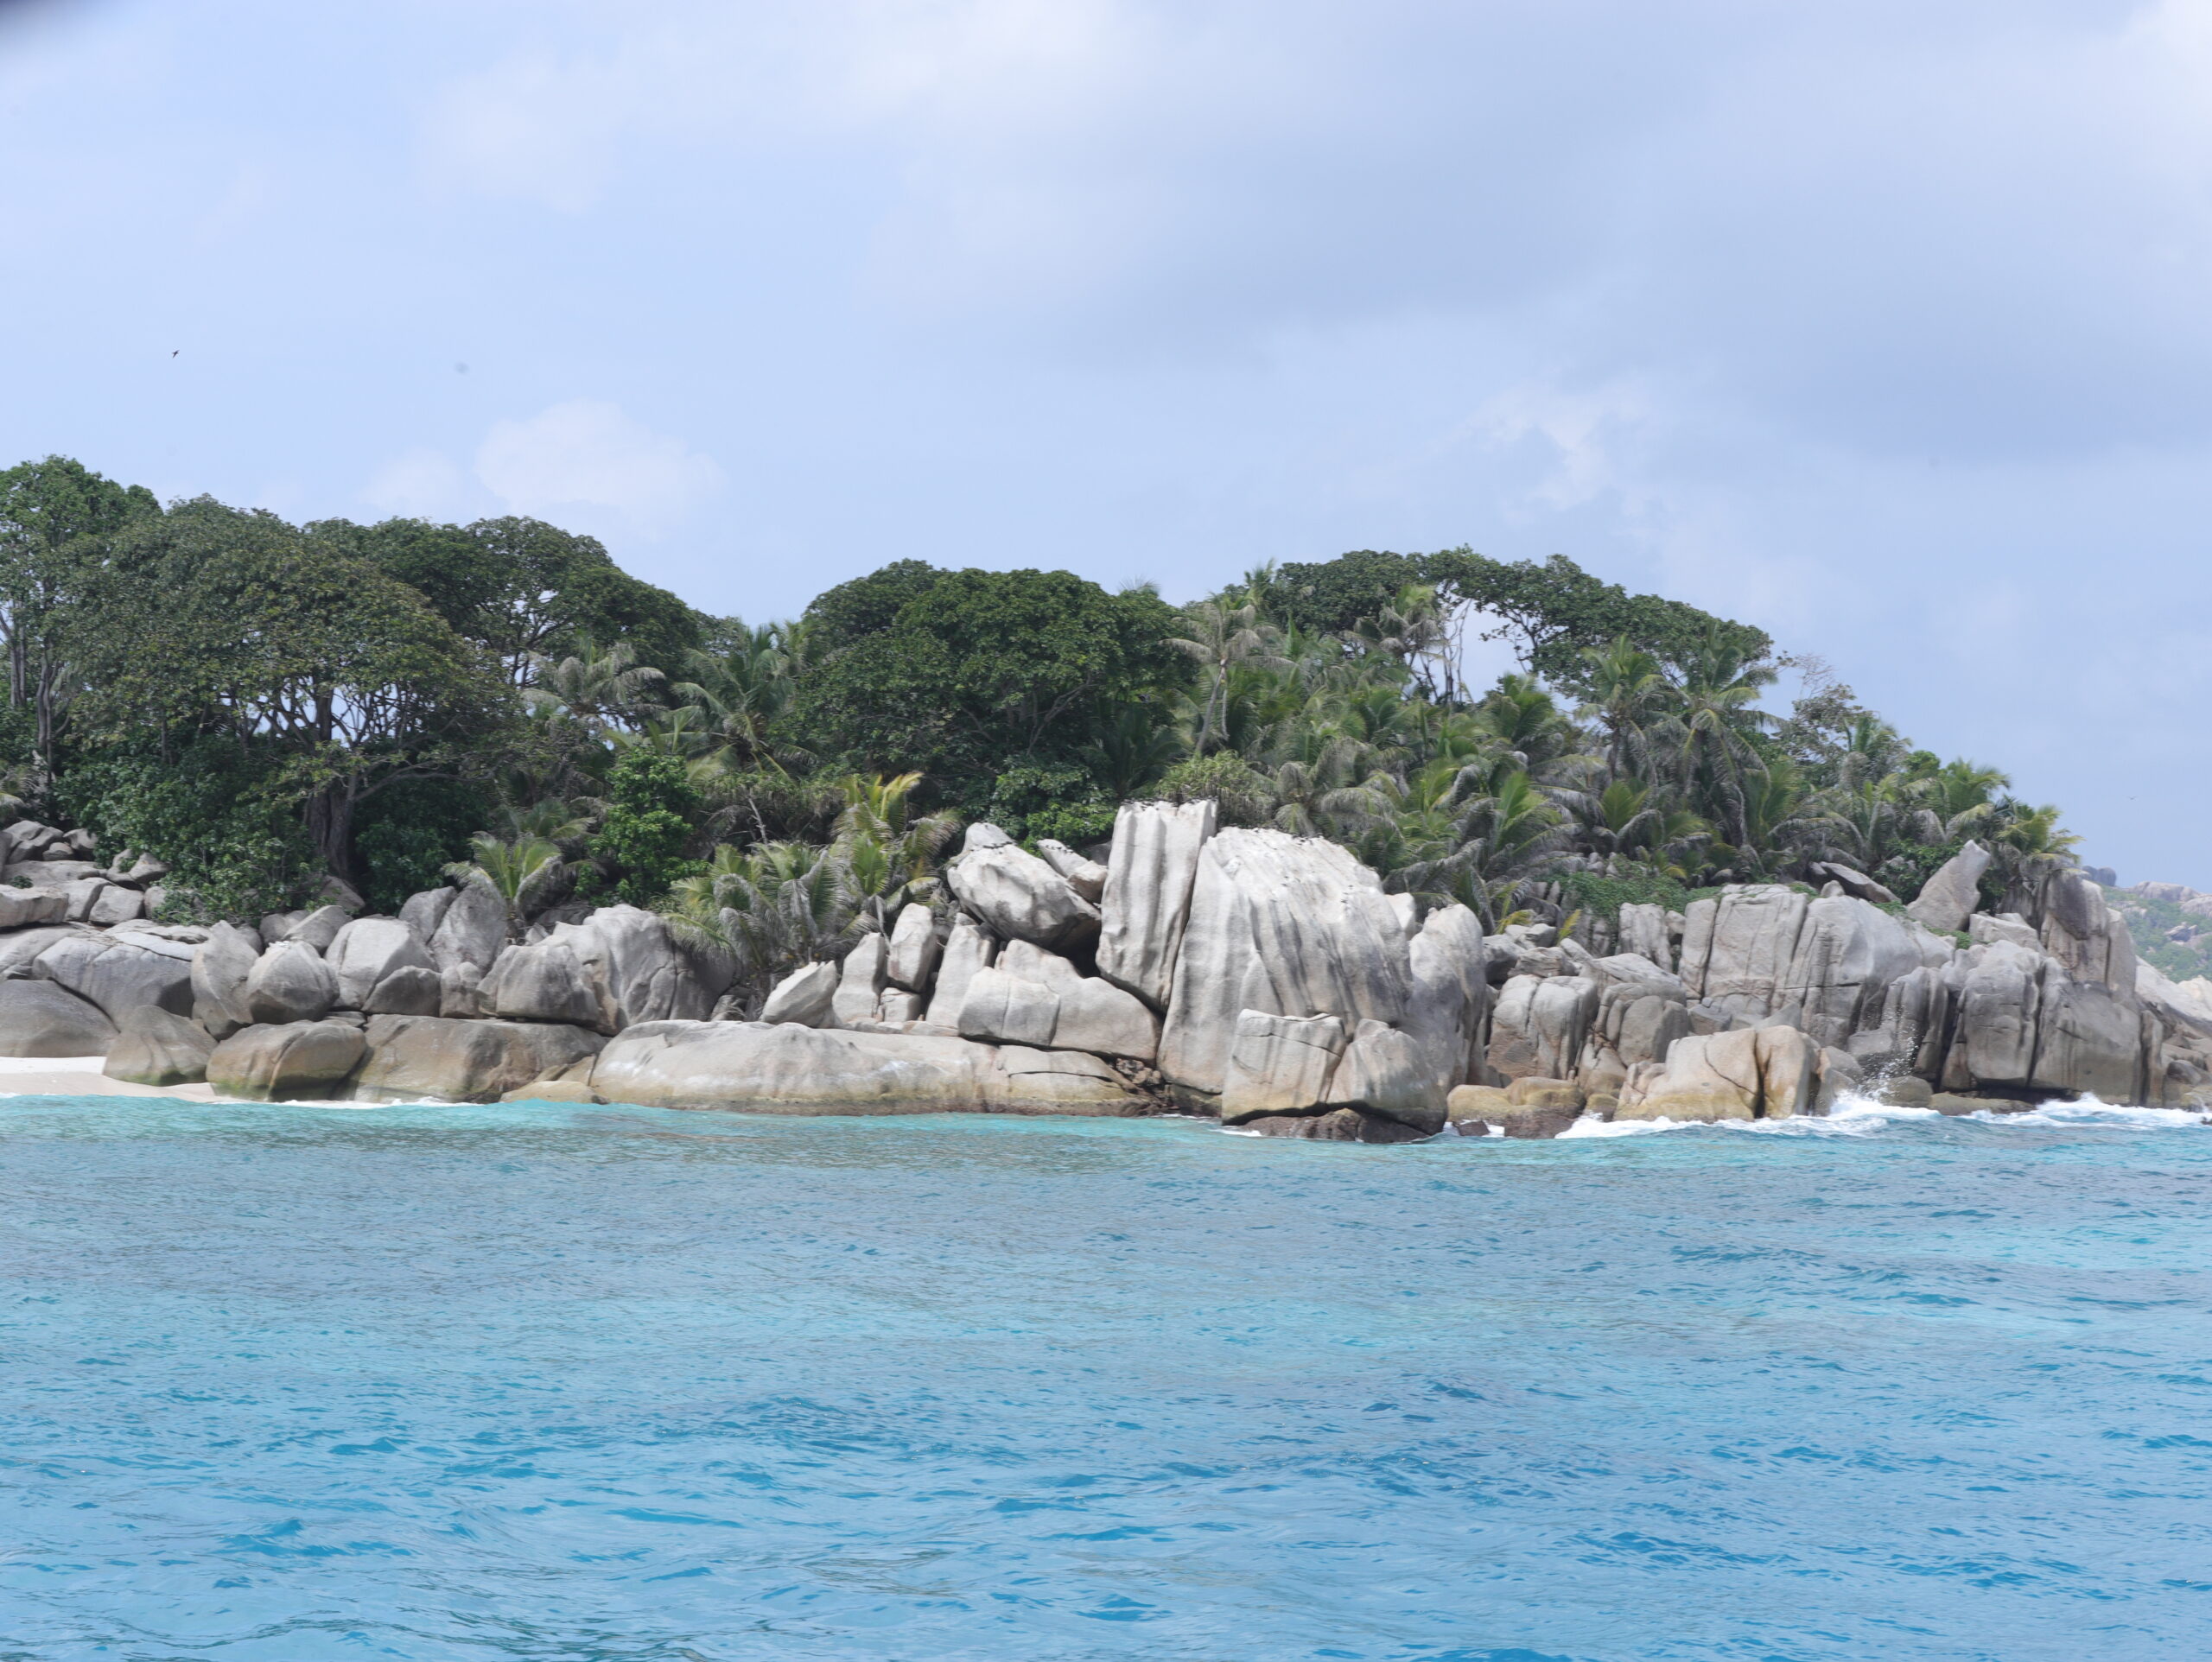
(1265,979)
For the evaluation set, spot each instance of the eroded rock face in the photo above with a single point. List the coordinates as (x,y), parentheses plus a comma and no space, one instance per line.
(915,946)
(1036,997)
(1281,1064)
(1020,898)
(1737,946)
(1952,894)
(271,1062)
(1286,926)
(153,1047)
(1540,1023)
(1643,932)
(220,969)
(1448,1006)
(366,950)
(289,983)
(406,1058)
(617,968)
(787,1070)
(803,996)
(1751,1074)
(1086,877)
(860,982)
(408,991)
(121,971)
(424,912)
(1386,1072)
(39,1019)
(967,949)
(472,928)
(1847,954)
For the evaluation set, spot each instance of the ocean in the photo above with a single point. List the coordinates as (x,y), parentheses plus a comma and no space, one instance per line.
(290,1383)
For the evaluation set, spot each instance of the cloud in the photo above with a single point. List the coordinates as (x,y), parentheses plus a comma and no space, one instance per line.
(585,454)
(420,484)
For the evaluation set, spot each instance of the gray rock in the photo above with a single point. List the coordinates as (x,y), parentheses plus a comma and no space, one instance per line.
(278,926)
(1062,1081)
(860,982)
(1836,1074)
(19,907)
(756,1067)
(1737,946)
(1999,1002)
(336,891)
(1447,1004)
(913,948)
(1848,953)
(1952,894)
(984,834)
(1285,926)
(1020,898)
(319,927)
(1855,883)
(473,929)
(1334,1125)
(144,870)
(407,1058)
(461,992)
(273,1062)
(620,965)
(115,904)
(1634,1022)
(2089,1040)
(423,912)
(967,949)
(366,950)
(1753,1074)
(21,949)
(289,983)
(1281,1064)
(1086,877)
(220,970)
(1386,1072)
(1038,999)
(1643,931)
(120,971)
(410,990)
(153,1047)
(39,1019)
(896,1008)
(1986,928)
(803,996)
(1539,1025)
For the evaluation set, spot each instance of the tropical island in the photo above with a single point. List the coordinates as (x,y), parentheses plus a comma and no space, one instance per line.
(412,809)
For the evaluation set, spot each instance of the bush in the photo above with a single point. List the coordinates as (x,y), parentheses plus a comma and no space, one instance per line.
(1602,896)
(1241,796)
(407,833)
(1052,800)
(651,803)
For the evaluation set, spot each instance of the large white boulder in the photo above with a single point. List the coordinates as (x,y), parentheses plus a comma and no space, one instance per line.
(1085,876)
(1766,1072)
(860,982)
(1019,896)
(220,968)
(1281,1064)
(153,1047)
(1538,1027)
(1952,894)
(1386,1072)
(803,996)
(967,949)
(1283,925)
(1146,899)
(406,1058)
(1036,997)
(290,982)
(38,1018)
(121,970)
(273,1061)
(367,950)
(618,967)
(1848,953)
(1738,946)
(1447,1003)
(472,929)
(788,1070)
(911,955)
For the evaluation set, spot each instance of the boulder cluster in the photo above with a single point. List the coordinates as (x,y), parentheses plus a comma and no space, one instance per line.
(1262,978)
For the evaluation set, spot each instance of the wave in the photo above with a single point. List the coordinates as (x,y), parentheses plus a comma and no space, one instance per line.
(1864,1116)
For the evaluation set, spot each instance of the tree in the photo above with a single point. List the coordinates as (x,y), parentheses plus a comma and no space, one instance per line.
(651,804)
(514,871)
(54,514)
(209,620)
(979,672)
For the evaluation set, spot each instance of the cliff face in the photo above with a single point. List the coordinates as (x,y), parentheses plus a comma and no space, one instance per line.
(1266,979)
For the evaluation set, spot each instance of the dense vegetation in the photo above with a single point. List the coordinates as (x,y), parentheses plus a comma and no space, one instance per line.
(261,704)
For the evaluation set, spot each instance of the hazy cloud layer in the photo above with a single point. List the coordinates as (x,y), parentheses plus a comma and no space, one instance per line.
(1880,324)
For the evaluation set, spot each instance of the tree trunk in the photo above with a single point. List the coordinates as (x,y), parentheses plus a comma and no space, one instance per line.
(330,823)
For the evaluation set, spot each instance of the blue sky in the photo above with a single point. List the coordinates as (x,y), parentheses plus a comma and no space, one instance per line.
(1883,325)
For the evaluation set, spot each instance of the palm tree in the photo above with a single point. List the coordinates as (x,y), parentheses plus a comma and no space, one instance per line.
(1223,638)
(771,909)
(597,687)
(516,872)
(1627,691)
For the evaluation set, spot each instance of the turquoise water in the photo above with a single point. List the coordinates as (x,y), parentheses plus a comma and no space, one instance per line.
(283,1384)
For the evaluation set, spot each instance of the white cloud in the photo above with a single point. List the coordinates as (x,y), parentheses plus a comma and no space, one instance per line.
(419,485)
(586,453)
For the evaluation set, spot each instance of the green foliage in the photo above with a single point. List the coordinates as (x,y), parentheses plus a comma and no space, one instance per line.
(1241,794)
(2153,924)
(1056,800)
(979,672)
(652,805)
(407,834)
(1603,894)
(226,820)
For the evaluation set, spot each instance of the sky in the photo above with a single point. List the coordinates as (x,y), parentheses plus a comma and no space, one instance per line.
(1886,327)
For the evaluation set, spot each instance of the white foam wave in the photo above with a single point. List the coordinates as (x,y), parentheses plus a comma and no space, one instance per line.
(2090,1111)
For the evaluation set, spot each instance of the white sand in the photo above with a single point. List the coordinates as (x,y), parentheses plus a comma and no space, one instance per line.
(81,1076)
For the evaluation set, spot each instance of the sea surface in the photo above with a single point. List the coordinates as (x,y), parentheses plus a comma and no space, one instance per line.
(282,1384)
